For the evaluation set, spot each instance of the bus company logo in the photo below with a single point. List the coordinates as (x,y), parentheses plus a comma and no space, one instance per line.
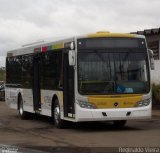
(116,104)
(47,99)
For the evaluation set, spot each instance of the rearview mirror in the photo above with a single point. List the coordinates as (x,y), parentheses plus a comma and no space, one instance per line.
(71,57)
(151,59)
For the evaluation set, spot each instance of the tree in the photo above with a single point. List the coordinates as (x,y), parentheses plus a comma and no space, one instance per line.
(2,74)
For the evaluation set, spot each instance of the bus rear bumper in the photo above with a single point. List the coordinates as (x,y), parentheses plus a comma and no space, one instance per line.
(83,114)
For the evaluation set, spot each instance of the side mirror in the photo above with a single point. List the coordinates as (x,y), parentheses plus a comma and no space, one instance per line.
(71,57)
(151,59)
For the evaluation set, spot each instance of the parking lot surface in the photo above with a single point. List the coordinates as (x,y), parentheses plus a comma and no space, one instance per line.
(39,133)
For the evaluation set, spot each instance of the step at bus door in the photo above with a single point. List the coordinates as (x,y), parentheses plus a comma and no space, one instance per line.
(36,84)
(68,87)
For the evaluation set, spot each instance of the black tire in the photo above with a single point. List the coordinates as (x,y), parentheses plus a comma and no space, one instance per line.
(59,123)
(119,123)
(23,115)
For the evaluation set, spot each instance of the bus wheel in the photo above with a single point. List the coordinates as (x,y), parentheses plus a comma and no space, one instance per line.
(120,123)
(56,115)
(22,113)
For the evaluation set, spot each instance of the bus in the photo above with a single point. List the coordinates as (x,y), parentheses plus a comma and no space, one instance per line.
(95,77)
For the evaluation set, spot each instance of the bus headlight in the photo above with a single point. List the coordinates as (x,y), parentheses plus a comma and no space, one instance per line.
(142,103)
(84,104)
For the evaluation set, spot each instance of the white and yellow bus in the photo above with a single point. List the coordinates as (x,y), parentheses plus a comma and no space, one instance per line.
(96,77)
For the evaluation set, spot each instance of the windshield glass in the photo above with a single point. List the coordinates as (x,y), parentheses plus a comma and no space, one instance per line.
(101,72)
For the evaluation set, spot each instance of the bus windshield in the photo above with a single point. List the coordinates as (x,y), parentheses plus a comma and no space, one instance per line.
(113,72)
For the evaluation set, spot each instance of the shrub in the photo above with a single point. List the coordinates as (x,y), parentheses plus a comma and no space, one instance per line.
(156,94)
(2,75)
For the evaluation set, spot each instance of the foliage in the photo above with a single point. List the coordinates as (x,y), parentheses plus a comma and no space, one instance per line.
(156,94)
(2,74)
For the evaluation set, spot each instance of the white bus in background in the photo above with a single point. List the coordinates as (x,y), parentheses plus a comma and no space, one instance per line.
(96,77)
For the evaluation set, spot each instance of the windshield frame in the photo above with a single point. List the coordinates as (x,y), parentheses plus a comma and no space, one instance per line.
(114,50)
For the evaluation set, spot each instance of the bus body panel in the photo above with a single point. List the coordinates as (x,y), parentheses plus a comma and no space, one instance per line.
(123,101)
(11,96)
(112,114)
(46,101)
(27,97)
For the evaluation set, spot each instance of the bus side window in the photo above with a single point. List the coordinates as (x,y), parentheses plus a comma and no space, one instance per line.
(27,67)
(51,69)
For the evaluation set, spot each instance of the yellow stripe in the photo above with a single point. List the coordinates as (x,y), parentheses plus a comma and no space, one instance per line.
(124,101)
(107,34)
(60,96)
(57,46)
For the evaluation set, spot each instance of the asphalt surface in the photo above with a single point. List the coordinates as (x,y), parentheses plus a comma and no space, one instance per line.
(38,133)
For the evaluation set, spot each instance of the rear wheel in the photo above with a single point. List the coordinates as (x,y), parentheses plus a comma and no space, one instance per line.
(120,123)
(59,123)
(23,115)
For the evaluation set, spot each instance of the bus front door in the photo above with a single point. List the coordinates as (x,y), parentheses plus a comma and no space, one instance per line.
(36,84)
(68,87)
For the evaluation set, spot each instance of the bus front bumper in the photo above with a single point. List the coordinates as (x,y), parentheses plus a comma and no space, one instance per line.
(83,114)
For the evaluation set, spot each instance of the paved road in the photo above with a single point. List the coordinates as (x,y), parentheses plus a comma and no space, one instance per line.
(40,133)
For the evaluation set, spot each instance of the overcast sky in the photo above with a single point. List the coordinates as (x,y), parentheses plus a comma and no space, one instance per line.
(25,21)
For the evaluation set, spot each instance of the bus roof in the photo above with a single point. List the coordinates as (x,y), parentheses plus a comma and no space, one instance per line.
(57,44)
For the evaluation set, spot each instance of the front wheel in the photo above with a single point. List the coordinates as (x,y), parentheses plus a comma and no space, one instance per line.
(59,123)
(120,123)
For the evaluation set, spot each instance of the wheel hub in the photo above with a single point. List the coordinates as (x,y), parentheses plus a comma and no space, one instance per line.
(21,109)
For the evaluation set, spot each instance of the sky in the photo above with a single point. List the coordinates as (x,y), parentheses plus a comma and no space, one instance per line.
(26,21)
